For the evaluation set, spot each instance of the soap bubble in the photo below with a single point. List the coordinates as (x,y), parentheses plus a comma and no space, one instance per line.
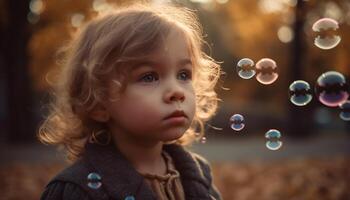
(266,69)
(94,180)
(245,68)
(129,198)
(345,111)
(327,36)
(203,140)
(300,93)
(332,89)
(237,122)
(273,142)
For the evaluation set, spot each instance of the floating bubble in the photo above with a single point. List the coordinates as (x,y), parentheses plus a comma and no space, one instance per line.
(273,142)
(245,68)
(129,198)
(203,140)
(237,122)
(345,111)
(332,89)
(94,180)
(327,36)
(300,93)
(266,69)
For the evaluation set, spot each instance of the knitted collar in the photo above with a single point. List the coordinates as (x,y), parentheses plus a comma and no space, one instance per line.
(121,180)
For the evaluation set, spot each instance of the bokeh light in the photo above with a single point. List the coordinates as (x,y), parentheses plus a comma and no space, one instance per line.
(101,5)
(36,6)
(77,19)
(285,34)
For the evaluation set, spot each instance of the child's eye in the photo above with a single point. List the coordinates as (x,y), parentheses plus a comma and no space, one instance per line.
(185,75)
(149,77)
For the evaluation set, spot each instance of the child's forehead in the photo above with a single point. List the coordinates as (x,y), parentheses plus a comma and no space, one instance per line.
(152,62)
(173,48)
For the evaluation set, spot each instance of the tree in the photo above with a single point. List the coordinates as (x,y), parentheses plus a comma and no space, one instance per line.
(15,35)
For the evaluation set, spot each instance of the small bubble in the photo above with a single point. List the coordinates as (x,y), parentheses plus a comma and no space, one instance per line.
(300,93)
(129,198)
(245,68)
(273,142)
(266,69)
(94,180)
(203,140)
(332,89)
(327,36)
(345,111)
(237,122)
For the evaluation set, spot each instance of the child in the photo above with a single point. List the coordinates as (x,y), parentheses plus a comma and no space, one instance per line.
(135,89)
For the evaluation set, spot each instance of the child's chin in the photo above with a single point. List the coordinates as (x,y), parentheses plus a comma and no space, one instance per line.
(168,137)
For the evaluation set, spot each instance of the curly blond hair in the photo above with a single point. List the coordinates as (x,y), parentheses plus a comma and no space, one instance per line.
(107,44)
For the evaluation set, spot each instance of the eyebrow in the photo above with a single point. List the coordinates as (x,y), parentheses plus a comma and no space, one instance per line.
(181,62)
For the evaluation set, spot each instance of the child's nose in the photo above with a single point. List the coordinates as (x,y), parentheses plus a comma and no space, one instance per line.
(175,94)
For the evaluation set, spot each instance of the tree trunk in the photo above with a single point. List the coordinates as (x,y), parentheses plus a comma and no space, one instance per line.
(20,110)
(299,118)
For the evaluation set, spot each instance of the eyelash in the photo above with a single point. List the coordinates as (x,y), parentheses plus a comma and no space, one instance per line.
(154,76)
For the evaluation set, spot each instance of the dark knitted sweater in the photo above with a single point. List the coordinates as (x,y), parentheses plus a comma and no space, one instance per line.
(120,181)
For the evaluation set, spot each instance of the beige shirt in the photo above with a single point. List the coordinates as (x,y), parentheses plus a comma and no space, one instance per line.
(166,187)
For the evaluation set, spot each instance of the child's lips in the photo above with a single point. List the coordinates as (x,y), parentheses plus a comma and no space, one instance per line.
(177,115)
(176,121)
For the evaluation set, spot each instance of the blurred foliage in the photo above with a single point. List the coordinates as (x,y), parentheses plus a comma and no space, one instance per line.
(234,29)
(306,179)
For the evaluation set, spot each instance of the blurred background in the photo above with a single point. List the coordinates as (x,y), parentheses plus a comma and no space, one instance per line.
(312,163)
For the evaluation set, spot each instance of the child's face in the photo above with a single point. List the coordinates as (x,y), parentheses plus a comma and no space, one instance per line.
(155,89)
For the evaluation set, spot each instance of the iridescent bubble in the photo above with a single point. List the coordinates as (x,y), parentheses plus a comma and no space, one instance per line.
(300,93)
(266,69)
(203,140)
(94,180)
(332,89)
(327,36)
(237,122)
(129,198)
(273,142)
(345,111)
(245,68)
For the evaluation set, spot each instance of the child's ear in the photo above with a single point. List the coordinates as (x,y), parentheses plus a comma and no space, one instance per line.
(99,113)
